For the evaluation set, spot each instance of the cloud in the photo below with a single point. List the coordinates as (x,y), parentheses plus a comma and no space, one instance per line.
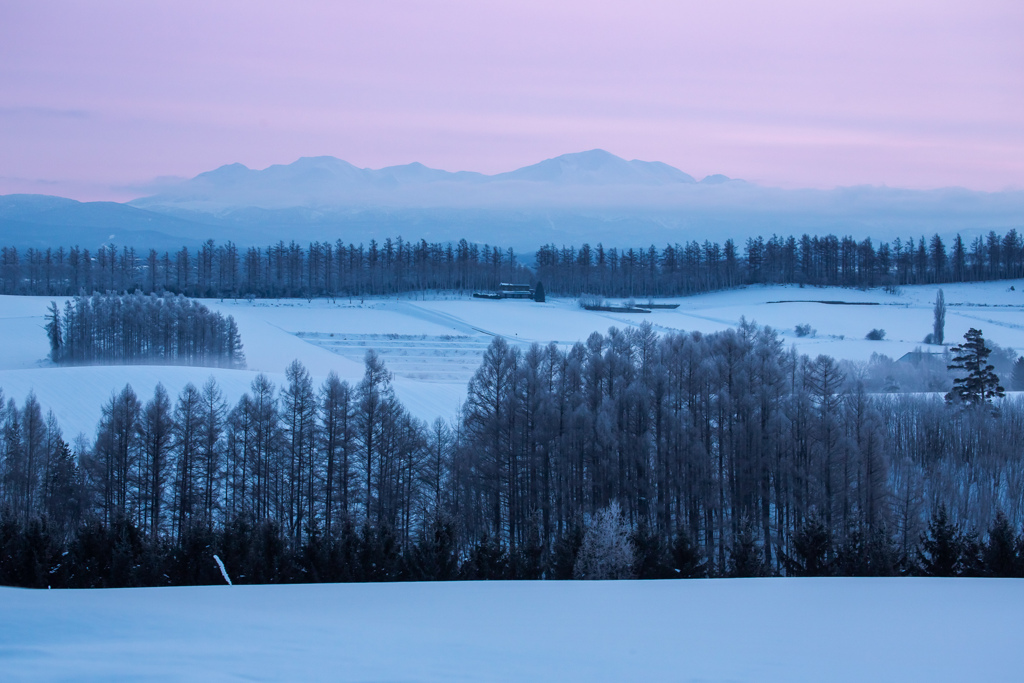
(29,112)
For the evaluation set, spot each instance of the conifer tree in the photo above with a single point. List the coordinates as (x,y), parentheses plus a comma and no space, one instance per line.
(746,558)
(686,559)
(812,547)
(1000,553)
(939,324)
(981,384)
(1017,378)
(538,293)
(942,549)
(53,331)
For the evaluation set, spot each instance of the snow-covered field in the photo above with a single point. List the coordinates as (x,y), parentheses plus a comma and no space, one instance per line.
(433,344)
(757,630)
(714,630)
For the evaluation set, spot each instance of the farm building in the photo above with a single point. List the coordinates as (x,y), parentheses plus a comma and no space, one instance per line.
(507,290)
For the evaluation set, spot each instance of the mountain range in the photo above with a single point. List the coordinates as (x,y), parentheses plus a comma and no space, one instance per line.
(590,197)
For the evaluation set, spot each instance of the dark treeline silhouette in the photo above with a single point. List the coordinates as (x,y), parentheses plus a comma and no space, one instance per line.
(700,267)
(687,454)
(139,328)
(339,269)
(281,270)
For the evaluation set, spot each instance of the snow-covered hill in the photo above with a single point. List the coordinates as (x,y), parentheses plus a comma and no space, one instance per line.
(749,630)
(433,345)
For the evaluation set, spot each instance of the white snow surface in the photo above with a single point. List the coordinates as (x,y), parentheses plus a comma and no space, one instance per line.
(757,630)
(434,343)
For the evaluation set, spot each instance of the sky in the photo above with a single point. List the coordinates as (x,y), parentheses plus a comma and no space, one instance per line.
(99,100)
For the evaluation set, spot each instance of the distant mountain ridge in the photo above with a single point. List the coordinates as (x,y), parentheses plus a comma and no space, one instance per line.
(591,196)
(329,182)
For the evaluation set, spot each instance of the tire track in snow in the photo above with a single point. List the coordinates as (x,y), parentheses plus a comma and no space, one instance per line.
(997,323)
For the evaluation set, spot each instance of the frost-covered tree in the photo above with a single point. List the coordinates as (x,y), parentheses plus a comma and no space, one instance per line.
(606,552)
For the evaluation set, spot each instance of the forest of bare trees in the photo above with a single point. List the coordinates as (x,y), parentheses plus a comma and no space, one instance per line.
(136,328)
(325,269)
(715,454)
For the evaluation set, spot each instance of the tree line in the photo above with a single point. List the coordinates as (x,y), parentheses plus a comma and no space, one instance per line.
(324,269)
(140,328)
(696,267)
(278,270)
(686,454)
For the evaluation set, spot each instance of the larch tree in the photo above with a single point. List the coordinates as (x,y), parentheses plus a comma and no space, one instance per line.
(156,430)
(336,441)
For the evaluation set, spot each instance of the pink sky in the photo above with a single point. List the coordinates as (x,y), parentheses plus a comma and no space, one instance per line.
(99,95)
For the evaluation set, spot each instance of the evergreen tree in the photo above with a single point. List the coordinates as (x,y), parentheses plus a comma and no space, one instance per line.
(565,551)
(1017,378)
(434,558)
(686,560)
(746,559)
(1000,554)
(939,323)
(62,499)
(487,561)
(538,293)
(868,551)
(942,549)
(812,548)
(981,384)
(650,557)
(53,331)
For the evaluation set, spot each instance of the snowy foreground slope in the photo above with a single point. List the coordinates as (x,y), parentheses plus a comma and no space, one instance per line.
(757,630)
(434,344)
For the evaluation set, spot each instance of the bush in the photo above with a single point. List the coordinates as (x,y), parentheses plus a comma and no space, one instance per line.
(805,330)
(876,335)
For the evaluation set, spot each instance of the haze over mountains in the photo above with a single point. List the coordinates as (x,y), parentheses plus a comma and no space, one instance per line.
(590,197)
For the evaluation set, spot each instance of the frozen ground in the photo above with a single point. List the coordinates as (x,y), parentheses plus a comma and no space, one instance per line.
(757,630)
(433,344)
